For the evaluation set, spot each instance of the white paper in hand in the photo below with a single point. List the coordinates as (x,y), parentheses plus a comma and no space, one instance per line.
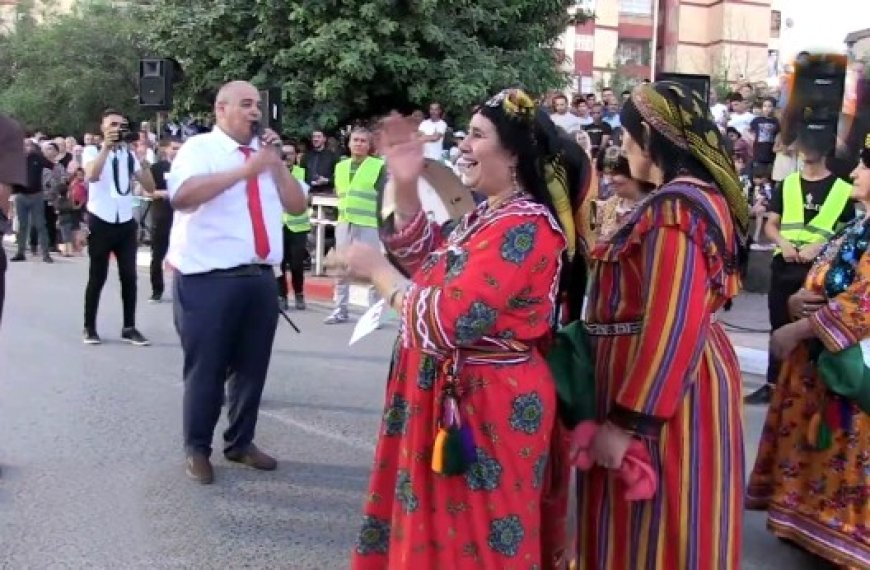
(368,323)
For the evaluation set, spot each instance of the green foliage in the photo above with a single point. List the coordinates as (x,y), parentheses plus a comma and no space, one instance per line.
(59,75)
(338,60)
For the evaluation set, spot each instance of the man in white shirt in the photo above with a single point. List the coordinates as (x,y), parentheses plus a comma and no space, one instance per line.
(229,189)
(110,172)
(562,118)
(740,118)
(432,132)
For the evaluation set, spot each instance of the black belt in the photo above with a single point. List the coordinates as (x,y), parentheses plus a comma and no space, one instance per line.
(248,270)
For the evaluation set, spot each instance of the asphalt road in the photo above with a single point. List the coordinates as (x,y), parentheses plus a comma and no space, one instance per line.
(91,451)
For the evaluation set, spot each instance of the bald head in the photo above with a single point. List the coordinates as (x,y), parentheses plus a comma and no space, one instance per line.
(237,108)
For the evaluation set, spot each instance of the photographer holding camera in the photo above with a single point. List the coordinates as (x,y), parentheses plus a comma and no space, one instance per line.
(110,172)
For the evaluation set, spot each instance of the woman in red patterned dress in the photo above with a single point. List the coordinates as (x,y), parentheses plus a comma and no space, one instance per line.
(666,372)
(461,477)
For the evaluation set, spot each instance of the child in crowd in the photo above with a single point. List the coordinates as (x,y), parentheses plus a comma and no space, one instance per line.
(78,193)
(762,189)
(67,220)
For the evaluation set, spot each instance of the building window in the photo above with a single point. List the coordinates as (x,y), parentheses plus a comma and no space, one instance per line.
(633,52)
(636,7)
(775,23)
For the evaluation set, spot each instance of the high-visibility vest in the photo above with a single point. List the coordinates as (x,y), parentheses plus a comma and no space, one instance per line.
(821,228)
(298,223)
(357,196)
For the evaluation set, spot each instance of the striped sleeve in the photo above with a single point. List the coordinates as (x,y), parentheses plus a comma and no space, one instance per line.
(845,321)
(675,326)
(411,244)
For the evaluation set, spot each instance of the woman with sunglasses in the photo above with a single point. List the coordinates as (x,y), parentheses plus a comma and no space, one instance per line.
(667,377)
(812,474)
(468,469)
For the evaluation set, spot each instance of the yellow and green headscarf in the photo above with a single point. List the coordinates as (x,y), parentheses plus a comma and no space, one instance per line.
(681,116)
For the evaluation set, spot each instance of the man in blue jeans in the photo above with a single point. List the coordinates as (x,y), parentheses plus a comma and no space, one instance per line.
(12,172)
(30,203)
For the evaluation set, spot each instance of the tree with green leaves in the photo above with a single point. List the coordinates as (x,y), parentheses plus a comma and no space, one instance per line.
(337,61)
(59,72)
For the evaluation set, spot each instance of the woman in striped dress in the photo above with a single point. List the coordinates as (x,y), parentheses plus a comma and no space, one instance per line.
(666,373)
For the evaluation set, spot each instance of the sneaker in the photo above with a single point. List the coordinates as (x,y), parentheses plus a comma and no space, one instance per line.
(133,336)
(337,317)
(300,303)
(18,257)
(90,336)
(760,397)
(283,304)
(156,298)
(47,258)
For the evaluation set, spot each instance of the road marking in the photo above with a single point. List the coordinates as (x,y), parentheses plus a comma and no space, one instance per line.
(320,432)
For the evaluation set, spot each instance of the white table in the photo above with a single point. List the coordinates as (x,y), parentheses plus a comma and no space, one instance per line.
(320,221)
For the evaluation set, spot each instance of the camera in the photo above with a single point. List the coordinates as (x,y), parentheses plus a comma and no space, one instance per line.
(126,135)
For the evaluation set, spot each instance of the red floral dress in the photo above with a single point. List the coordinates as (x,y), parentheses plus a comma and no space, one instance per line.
(486,290)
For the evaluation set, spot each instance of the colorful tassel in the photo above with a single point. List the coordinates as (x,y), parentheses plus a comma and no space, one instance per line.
(438,451)
(813,430)
(454,451)
(825,438)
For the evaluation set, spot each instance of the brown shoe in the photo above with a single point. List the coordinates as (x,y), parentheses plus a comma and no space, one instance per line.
(253,457)
(199,468)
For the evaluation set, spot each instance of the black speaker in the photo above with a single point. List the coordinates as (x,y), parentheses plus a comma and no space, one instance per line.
(272,108)
(156,77)
(815,101)
(698,83)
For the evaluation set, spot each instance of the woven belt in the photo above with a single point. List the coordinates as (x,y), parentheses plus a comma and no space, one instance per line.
(613,329)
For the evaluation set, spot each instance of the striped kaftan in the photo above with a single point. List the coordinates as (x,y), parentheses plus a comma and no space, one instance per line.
(676,368)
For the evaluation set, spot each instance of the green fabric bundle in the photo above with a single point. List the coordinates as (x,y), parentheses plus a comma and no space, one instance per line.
(847,373)
(573,369)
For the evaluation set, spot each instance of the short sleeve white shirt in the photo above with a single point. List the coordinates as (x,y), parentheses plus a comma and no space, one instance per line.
(219,233)
(433,150)
(111,197)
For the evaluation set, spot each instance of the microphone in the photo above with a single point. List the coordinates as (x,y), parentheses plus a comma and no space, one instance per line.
(257,131)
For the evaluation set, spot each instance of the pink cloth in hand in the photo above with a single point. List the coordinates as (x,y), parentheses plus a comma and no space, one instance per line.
(636,471)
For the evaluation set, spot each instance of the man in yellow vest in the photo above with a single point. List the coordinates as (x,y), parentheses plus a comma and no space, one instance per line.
(358,180)
(804,212)
(296,229)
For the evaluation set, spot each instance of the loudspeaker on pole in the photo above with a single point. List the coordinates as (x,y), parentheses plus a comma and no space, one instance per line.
(156,79)
(272,108)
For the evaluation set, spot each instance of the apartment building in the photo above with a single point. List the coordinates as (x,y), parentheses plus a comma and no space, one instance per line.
(733,39)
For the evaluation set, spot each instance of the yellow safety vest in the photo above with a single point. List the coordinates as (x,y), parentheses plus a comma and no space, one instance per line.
(357,196)
(821,228)
(298,223)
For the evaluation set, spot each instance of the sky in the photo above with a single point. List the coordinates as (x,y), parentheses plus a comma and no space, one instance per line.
(820,25)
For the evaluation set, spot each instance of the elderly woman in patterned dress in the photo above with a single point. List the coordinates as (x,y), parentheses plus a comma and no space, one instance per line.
(812,474)
(463,470)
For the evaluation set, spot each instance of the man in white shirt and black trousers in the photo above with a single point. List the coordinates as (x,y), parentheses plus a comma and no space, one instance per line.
(229,189)
(110,172)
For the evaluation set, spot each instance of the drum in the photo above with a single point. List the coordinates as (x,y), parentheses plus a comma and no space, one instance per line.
(442,194)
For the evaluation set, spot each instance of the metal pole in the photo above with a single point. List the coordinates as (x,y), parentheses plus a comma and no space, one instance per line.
(655,41)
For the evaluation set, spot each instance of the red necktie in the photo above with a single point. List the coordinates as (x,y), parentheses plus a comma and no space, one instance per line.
(255,209)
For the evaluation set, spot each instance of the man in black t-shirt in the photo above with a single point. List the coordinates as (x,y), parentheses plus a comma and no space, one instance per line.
(161,214)
(599,131)
(764,129)
(791,262)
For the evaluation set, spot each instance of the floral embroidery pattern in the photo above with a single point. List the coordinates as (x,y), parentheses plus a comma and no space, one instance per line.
(485,475)
(506,534)
(519,242)
(405,492)
(396,416)
(428,373)
(374,536)
(456,260)
(527,413)
(475,323)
